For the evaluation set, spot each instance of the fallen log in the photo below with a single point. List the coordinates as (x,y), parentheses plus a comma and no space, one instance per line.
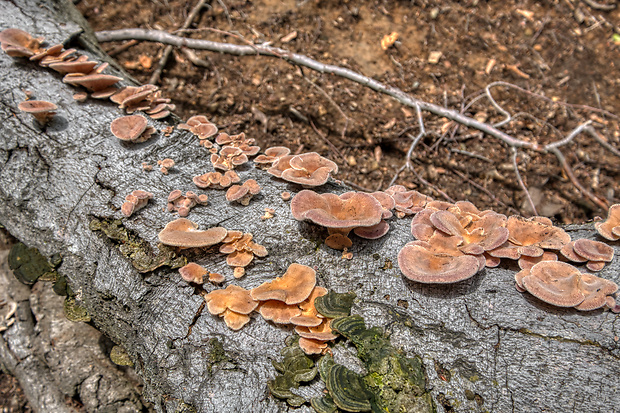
(483,345)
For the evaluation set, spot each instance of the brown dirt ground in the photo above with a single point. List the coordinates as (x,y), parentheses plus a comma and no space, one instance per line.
(560,49)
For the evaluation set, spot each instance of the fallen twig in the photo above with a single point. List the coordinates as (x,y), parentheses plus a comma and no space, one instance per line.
(168,49)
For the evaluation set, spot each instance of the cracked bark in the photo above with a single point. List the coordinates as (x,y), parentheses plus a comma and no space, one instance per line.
(511,350)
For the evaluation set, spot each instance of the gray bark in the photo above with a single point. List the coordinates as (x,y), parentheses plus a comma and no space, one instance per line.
(514,352)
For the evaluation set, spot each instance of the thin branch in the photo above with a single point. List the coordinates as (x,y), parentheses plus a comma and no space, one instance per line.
(294,58)
(414,143)
(520,181)
(599,6)
(168,49)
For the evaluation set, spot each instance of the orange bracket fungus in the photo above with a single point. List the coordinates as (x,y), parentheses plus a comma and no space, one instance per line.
(271,155)
(243,193)
(233,303)
(438,261)
(184,203)
(200,126)
(42,111)
(193,273)
(292,288)
(610,228)
(241,250)
(18,43)
(228,158)
(135,201)
(331,211)
(185,234)
(165,165)
(216,180)
(307,169)
(133,128)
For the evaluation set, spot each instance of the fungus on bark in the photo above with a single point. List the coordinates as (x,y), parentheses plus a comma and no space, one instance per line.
(135,201)
(555,283)
(241,250)
(228,158)
(193,273)
(200,126)
(42,111)
(133,128)
(271,155)
(307,169)
(292,288)
(165,165)
(243,193)
(594,253)
(233,303)
(177,202)
(18,43)
(610,228)
(185,234)
(238,141)
(216,180)
(278,311)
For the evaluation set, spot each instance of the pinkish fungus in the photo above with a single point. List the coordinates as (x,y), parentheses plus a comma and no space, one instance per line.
(185,234)
(184,203)
(610,228)
(135,201)
(42,111)
(292,288)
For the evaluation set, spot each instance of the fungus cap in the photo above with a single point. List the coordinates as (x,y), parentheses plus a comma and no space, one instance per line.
(331,211)
(193,272)
(232,298)
(292,288)
(593,250)
(418,262)
(93,82)
(42,111)
(128,128)
(235,321)
(184,233)
(555,282)
(596,291)
(278,311)
(373,232)
(610,228)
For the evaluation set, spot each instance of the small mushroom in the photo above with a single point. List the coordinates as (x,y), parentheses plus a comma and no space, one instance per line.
(595,253)
(596,291)
(185,234)
(165,165)
(42,111)
(228,158)
(308,169)
(200,126)
(216,180)
(18,43)
(243,193)
(278,311)
(610,228)
(93,82)
(292,288)
(241,249)
(132,128)
(184,203)
(271,155)
(193,273)
(135,201)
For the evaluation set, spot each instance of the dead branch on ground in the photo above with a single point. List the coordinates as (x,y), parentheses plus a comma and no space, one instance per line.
(458,117)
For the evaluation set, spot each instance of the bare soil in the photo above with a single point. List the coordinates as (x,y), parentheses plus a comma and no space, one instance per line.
(563,50)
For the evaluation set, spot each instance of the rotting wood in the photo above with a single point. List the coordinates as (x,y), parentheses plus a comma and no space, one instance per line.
(507,348)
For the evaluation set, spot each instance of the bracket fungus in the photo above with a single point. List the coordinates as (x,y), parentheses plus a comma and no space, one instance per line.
(18,43)
(562,285)
(271,155)
(200,126)
(228,158)
(594,253)
(185,234)
(332,211)
(292,288)
(165,165)
(243,193)
(233,304)
(307,169)
(146,98)
(135,201)
(193,273)
(133,128)
(438,261)
(216,180)
(407,202)
(42,111)
(184,203)
(241,250)
(610,228)
(238,141)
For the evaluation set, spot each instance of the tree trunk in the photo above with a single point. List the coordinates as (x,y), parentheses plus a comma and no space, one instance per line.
(484,346)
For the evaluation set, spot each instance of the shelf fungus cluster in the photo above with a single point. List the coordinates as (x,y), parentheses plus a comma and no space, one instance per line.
(132,128)
(307,169)
(243,193)
(241,251)
(289,300)
(78,70)
(200,126)
(195,273)
(455,241)
(610,228)
(177,202)
(216,180)
(135,201)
